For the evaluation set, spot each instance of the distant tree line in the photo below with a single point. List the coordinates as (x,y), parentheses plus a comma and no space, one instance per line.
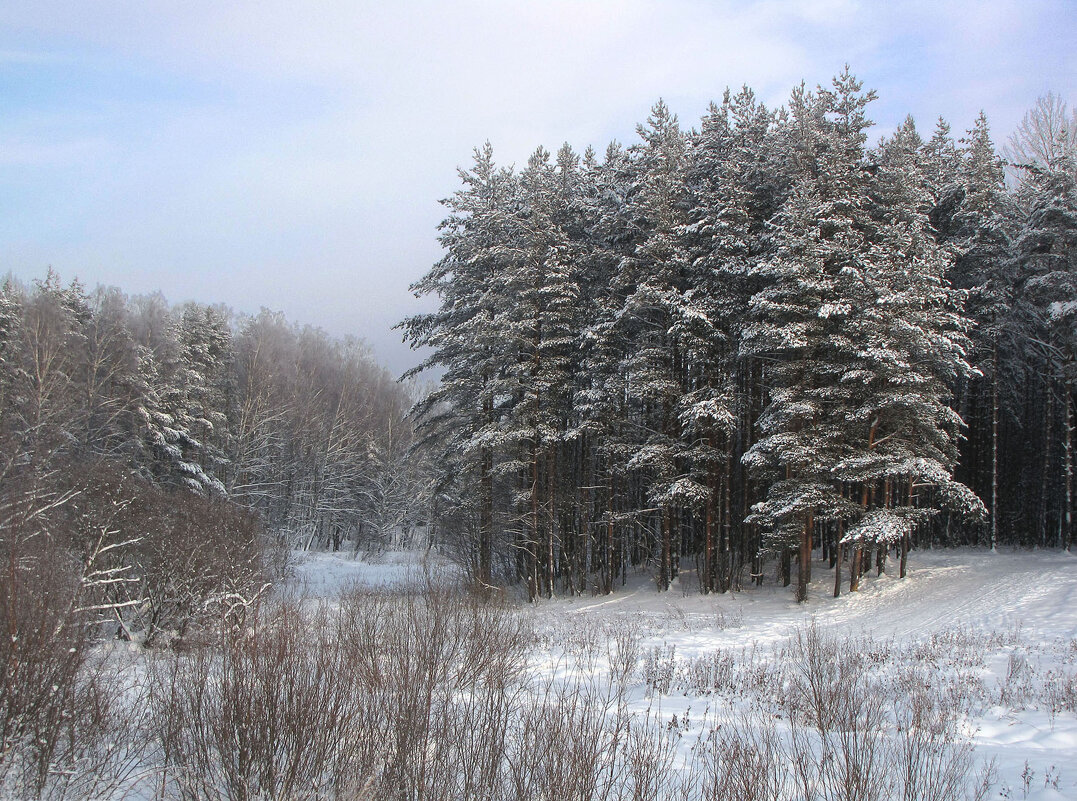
(759,339)
(307,431)
(149,453)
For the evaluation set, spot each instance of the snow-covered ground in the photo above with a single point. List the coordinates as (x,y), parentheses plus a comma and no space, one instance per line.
(1010,619)
(1004,624)
(971,589)
(320,574)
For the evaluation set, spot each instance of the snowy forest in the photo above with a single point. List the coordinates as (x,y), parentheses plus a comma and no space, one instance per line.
(746,343)
(720,353)
(165,449)
(240,560)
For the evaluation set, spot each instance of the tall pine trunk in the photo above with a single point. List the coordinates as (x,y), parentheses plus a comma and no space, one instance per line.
(994,452)
(905,536)
(858,552)
(804,562)
(838,563)
(1067,516)
(486,518)
(707,583)
(609,537)
(1045,476)
(551,465)
(667,536)
(726,580)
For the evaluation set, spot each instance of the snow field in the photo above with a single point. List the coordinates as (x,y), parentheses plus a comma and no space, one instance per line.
(959,682)
(994,637)
(995,633)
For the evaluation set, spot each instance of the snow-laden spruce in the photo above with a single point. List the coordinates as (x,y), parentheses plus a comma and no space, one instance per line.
(752,340)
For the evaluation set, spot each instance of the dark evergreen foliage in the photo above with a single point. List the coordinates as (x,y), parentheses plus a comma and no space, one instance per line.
(723,346)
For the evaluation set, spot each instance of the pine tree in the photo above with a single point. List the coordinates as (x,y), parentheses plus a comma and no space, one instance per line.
(864,336)
(941,167)
(639,350)
(600,407)
(1046,261)
(716,241)
(797,325)
(651,281)
(188,415)
(545,314)
(981,235)
(911,348)
(461,415)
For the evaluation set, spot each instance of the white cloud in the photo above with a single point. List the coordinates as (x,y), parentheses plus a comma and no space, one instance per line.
(301,164)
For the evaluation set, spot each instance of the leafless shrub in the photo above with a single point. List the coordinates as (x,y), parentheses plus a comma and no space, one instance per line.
(168,561)
(42,653)
(1017,688)
(624,652)
(266,714)
(89,743)
(962,647)
(933,757)
(826,679)
(710,673)
(744,760)
(848,761)
(409,694)
(414,655)
(860,744)
(566,744)
(958,656)
(467,742)
(728,619)
(660,669)
(584,641)
(424,694)
(985,780)
(676,619)
(202,565)
(649,758)
(63,731)
(1059,691)
(762,675)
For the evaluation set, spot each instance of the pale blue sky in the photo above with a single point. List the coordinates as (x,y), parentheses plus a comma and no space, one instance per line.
(291,154)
